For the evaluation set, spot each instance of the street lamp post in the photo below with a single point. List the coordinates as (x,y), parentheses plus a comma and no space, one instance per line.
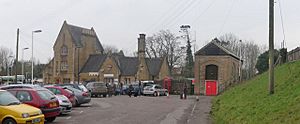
(36,31)
(23,60)
(8,65)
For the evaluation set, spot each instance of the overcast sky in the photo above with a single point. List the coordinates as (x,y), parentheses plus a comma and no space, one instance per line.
(118,22)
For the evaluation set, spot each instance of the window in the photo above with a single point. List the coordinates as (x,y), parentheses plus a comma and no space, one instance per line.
(64,66)
(24,96)
(7,98)
(109,67)
(45,95)
(211,72)
(55,91)
(64,50)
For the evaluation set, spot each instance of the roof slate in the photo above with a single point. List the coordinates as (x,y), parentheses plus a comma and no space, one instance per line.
(76,33)
(128,65)
(94,63)
(214,48)
(154,65)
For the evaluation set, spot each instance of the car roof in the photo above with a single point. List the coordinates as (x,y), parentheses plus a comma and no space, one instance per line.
(22,86)
(53,86)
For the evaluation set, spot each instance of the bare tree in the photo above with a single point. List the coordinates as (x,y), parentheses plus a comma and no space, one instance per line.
(110,49)
(166,44)
(247,50)
(6,58)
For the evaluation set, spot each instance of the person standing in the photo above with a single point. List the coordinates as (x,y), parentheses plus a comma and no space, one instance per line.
(184,91)
(130,88)
(121,88)
(140,87)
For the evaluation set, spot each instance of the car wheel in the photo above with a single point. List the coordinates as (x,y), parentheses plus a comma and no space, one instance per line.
(104,95)
(77,103)
(50,119)
(155,94)
(9,121)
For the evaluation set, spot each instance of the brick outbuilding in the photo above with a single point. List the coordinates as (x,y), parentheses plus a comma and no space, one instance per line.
(215,63)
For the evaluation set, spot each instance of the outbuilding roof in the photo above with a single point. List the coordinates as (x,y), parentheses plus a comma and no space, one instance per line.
(214,49)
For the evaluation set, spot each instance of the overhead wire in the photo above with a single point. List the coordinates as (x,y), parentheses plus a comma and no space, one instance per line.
(282,25)
(164,16)
(188,7)
(226,17)
(173,15)
(203,12)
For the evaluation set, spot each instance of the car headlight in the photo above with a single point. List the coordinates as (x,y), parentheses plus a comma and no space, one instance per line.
(40,112)
(25,115)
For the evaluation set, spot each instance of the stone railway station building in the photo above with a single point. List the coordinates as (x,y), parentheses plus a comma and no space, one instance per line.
(78,51)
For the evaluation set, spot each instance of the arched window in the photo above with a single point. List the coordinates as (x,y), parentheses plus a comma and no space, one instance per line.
(64,50)
(211,72)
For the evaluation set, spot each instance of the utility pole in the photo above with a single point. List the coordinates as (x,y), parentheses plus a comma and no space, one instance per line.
(271,47)
(240,62)
(78,73)
(16,62)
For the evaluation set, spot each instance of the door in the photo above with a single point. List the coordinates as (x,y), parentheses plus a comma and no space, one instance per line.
(211,88)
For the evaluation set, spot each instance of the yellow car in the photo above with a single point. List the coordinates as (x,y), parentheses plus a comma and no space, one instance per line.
(12,111)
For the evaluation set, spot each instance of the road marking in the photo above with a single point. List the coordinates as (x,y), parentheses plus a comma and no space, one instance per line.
(192,112)
(69,117)
(80,112)
(194,108)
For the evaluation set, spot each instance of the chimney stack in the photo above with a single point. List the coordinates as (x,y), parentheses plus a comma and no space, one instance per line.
(142,45)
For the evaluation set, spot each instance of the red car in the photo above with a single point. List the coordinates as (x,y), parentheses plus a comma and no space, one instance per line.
(40,98)
(61,91)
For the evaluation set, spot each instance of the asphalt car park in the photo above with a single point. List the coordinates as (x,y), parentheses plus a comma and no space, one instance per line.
(130,110)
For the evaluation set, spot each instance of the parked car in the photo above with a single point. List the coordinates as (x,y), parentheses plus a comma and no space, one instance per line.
(12,111)
(40,98)
(97,88)
(76,86)
(64,103)
(57,90)
(155,90)
(12,86)
(81,97)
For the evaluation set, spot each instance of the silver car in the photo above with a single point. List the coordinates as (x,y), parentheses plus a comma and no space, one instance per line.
(64,103)
(81,97)
(155,90)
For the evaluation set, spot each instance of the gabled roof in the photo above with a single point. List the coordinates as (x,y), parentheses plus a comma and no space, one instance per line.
(93,63)
(77,32)
(154,65)
(128,65)
(214,49)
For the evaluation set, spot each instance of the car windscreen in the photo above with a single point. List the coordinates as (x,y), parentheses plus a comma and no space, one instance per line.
(7,98)
(83,88)
(99,84)
(68,90)
(45,95)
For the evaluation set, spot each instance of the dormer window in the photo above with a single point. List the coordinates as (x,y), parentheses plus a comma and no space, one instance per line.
(64,50)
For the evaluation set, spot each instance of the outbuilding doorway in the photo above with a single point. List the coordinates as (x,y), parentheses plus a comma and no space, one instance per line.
(211,80)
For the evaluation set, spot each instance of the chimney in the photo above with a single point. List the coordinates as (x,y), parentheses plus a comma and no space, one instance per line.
(141,46)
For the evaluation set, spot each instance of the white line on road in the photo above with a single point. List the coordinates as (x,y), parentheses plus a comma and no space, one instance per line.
(69,117)
(194,108)
(80,112)
(192,112)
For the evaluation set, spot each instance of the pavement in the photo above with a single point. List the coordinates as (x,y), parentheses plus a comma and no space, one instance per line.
(140,110)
